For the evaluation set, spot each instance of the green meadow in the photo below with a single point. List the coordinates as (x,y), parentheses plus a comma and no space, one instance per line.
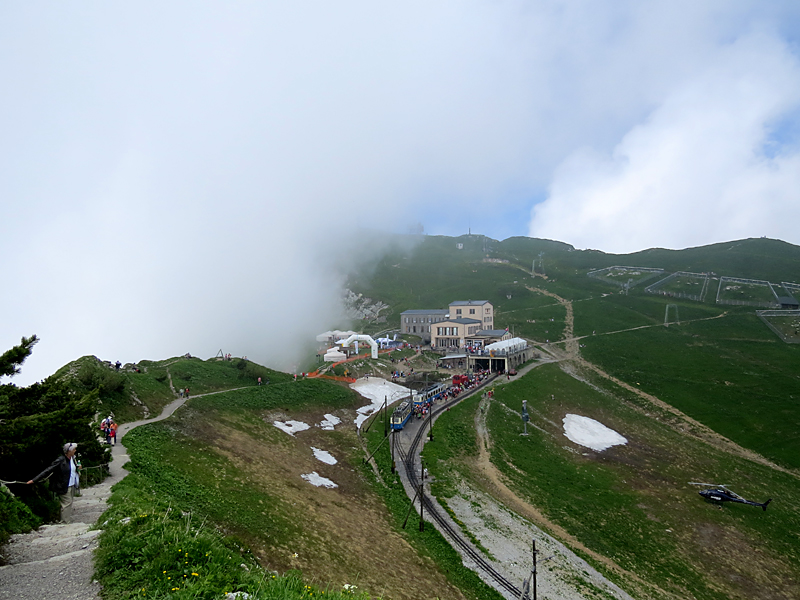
(220,471)
(716,363)
(632,503)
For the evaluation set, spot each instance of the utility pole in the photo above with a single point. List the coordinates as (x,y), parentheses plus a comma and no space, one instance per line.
(421,502)
(394,468)
(533,568)
(430,423)
(529,585)
(525,416)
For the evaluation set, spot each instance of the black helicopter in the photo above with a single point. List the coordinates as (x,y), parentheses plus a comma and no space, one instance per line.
(720,493)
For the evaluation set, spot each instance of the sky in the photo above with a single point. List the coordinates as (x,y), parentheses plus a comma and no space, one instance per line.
(196,176)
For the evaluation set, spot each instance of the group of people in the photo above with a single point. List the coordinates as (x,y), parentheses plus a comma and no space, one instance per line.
(183,393)
(108,427)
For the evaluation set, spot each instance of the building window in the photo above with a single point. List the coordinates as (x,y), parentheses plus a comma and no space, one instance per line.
(472,311)
(415,329)
(487,311)
(458,311)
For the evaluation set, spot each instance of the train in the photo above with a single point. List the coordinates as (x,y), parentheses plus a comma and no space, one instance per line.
(405,409)
(401,415)
(430,394)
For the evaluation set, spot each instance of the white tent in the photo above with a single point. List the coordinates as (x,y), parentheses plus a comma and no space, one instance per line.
(334,355)
(334,336)
(515,344)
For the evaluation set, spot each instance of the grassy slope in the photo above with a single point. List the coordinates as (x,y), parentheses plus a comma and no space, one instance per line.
(221,458)
(632,503)
(730,373)
(148,549)
(129,395)
(760,396)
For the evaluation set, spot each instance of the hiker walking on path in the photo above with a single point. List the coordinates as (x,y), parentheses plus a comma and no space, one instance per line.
(108,421)
(65,479)
(113,433)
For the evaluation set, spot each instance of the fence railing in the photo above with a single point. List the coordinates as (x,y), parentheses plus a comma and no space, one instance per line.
(755,282)
(764,316)
(654,288)
(653,272)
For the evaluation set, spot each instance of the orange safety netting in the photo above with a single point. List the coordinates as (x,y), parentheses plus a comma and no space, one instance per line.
(334,377)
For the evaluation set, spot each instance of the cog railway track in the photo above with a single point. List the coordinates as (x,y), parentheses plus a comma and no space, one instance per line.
(452,532)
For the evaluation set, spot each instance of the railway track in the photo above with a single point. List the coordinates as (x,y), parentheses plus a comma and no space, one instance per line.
(452,532)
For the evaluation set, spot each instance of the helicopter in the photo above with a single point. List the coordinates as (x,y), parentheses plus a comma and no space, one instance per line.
(718,492)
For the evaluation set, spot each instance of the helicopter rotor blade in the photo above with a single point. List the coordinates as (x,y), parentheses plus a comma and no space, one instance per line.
(722,485)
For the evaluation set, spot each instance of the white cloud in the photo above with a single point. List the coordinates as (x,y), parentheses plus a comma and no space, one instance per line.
(695,171)
(175,175)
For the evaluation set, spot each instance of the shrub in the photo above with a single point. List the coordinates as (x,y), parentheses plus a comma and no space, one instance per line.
(15,517)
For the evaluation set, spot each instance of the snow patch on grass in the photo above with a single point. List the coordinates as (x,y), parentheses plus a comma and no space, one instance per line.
(291,427)
(318,480)
(324,456)
(377,390)
(329,422)
(590,433)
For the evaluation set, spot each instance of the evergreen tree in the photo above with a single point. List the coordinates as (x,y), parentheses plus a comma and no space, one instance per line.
(35,422)
(11,360)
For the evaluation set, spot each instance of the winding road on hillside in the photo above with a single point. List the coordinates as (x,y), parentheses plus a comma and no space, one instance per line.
(55,561)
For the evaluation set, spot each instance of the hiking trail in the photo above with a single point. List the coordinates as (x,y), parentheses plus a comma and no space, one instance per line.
(55,562)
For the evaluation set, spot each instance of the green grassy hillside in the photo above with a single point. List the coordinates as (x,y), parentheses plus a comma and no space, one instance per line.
(732,373)
(630,510)
(143,389)
(222,461)
(631,504)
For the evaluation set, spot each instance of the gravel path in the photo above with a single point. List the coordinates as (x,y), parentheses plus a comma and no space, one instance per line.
(55,561)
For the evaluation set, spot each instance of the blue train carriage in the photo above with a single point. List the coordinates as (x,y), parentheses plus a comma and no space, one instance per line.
(429,394)
(401,415)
